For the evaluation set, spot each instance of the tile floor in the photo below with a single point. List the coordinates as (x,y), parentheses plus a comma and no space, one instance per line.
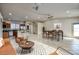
(70,44)
(38,48)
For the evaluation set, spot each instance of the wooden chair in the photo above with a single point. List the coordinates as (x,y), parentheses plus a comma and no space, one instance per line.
(54,34)
(19,39)
(50,34)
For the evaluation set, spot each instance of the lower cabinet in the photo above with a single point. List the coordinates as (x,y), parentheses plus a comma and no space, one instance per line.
(5,34)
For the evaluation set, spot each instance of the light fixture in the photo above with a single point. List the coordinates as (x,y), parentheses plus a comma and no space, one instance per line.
(68,14)
(38,17)
(36,7)
(26,17)
(10,14)
(67,11)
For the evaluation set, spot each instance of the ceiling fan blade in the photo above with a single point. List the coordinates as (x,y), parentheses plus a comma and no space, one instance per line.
(50,17)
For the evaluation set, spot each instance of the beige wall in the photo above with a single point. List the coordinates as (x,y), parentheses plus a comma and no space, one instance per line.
(66,25)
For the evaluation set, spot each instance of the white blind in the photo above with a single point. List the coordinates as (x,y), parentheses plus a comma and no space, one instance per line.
(15,26)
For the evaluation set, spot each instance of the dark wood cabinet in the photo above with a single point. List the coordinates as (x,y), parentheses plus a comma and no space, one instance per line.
(15,34)
(7,31)
(5,34)
(6,25)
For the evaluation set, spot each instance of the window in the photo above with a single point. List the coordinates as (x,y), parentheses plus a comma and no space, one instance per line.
(14,26)
(17,26)
(76,29)
(57,25)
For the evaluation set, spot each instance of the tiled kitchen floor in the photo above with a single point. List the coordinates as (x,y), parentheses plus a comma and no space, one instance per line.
(70,44)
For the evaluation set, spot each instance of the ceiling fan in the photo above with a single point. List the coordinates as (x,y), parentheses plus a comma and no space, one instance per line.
(50,16)
(35,6)
(36,10)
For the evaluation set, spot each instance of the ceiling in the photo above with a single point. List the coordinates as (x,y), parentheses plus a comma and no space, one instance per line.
(26,11)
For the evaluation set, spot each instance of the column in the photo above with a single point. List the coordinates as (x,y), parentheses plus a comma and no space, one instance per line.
(40,26)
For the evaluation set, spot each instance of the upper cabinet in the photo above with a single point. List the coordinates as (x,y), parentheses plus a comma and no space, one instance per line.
(6,25)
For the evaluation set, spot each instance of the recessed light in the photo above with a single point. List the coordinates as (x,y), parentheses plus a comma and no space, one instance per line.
(67,11)
(10,13)
(38,17)
(26,16)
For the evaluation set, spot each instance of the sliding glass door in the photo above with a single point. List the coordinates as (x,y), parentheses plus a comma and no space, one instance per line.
(76,29)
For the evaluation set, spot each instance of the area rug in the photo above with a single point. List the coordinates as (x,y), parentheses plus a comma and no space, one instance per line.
(38,48)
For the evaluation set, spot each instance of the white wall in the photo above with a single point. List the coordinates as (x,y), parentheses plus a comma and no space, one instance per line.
(66,25)
(1,39)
